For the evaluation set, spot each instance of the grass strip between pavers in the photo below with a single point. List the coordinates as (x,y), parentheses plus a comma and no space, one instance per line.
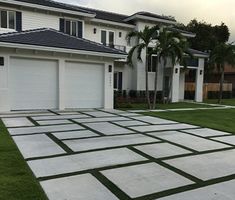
(17,182)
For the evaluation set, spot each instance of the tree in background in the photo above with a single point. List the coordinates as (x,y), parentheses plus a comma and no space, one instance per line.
(221,55)
(207,35)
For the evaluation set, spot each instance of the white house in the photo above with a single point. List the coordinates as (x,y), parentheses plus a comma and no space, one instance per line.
(58,56)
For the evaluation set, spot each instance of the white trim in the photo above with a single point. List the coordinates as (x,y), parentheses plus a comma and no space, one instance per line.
(48,8)
(136,16)
(113,23)
(62,50)
(201,56)
(188,35)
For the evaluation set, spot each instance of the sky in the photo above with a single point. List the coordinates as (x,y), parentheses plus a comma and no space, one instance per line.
(211,11)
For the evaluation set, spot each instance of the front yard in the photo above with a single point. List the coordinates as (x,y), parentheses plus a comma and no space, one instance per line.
(142,106)
(229,102)
(216,119)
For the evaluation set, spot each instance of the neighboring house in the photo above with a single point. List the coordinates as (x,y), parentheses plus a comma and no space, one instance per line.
(57,56)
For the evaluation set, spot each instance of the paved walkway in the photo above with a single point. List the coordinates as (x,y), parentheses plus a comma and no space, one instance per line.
(111,155)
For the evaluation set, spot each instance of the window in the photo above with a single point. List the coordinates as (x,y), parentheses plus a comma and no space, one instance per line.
(8,19)
(120,34)
(103,37)
(72,27)
(152,63)
(1,61)
(107,38)
(118,80)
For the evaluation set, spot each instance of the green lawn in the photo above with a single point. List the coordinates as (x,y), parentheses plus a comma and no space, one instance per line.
(216,119)
(141,106)
(16,180)
(230,102)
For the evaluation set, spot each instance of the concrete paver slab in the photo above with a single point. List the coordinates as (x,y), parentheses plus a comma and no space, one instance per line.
(140,180)
(107,142)
(162,150)
(206,132)
(17,122)
(226,139)
(162,127)
(37,146)
(190,141)
(108,128)
(84,161)
(207,166)
(219,191)
(44,129)
(54,122)
(80,187)
(154,120)
(74,134)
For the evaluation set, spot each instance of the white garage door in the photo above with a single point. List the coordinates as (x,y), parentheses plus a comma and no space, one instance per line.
(84,85)
(33,84)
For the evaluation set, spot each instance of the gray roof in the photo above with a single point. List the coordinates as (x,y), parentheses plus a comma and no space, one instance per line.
(46,37)
(100,14)
(55,4)
(153,15)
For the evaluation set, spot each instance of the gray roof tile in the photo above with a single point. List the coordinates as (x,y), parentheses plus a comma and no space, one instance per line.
(52,38)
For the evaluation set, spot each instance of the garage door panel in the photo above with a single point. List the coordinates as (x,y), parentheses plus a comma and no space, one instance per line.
(33,84)
(84,85)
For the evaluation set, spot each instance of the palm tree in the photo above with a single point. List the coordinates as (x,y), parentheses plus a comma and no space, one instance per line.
(171,45)
(144,38)
(221,55)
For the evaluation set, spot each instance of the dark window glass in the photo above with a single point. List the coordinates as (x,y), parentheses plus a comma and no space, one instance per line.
(120,34)
(115,81)
(149,63)
(68,27)
(120,81)
(11,20)
(1,61)
(154,63)
(74,28)
(111,39)
(3,19)
(103,37)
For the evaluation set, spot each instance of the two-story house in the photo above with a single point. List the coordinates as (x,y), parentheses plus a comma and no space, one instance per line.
(58,56)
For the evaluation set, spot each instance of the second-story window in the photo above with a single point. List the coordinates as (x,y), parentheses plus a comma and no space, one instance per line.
(7,19)
(152,63)
(107,38)
(71,27)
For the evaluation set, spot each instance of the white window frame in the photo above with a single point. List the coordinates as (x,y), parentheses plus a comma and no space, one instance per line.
(116,88)
(71,22)
(8,22)
(107,36)
(151,67)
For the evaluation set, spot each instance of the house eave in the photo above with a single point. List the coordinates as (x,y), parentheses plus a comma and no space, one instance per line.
(141,17)
(61,50)
(102,21)
(89,15)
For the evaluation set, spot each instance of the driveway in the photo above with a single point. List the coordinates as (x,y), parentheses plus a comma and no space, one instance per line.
(111,155)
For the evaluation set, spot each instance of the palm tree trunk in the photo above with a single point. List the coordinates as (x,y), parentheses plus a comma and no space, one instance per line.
(155,88)
(147,80)
(170,86)
(163,83)
(221,86)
